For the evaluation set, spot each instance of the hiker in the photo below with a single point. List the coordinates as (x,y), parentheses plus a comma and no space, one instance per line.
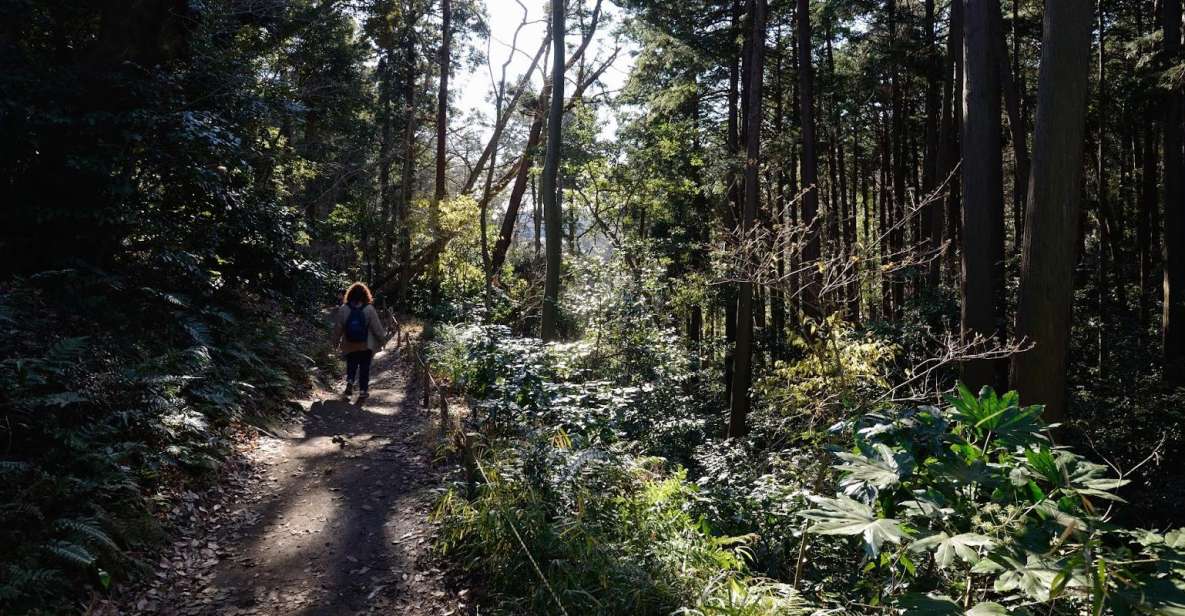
(359,333)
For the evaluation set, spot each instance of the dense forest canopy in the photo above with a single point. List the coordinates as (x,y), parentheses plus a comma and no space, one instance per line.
(733,288)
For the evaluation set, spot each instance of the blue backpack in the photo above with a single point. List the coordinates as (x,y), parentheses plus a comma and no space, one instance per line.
(356,325)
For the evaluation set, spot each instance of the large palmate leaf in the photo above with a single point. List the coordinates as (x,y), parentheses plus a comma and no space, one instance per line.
(865,477)
(844,516)
(1001,417)
(1037,576)
(946,548)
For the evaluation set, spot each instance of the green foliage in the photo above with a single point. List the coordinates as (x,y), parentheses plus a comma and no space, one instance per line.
(610,534)
(831,374)
(974,502)
(113,391)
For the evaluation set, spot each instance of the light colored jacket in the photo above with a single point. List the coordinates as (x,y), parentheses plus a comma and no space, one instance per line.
(376,335)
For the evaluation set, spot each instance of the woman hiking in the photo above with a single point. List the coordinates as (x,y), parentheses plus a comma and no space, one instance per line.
(359,333)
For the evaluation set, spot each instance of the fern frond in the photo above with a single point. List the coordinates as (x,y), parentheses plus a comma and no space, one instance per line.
(88,531)
(71,553)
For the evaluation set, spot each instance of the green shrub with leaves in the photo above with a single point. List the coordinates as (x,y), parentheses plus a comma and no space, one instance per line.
(112,391)
(597,532)
(974,510)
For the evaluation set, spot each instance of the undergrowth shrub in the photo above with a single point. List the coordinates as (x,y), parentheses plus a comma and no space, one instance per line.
(112,391)
(598,532)
(974,508)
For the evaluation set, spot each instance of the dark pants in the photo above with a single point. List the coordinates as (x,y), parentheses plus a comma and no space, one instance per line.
(358,362)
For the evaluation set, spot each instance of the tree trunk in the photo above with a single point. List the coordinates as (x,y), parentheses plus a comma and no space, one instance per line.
(552,212)
(1018,134)
(440,194)
(731,208)
(897,152)
(777,299)
(1047,281)
(1147,204)
(407,174)
(743,376)
(983,200)
(1173,317)
(810,164)
(931,168)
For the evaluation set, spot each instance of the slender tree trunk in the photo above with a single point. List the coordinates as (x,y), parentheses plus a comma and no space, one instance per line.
(948,153)
(743,376)
(1173,317)
(983,201)
(1147,205)
(1047,282)
(810,164)
(931,169)
(441,193)
(552,212)
(1018,133)
(954,202)
(732,208)
(777,298)
(407,175)
(897,152)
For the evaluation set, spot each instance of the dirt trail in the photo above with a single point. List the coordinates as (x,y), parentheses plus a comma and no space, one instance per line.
(328,518)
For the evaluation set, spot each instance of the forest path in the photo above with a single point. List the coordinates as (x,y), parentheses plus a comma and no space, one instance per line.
(328,517)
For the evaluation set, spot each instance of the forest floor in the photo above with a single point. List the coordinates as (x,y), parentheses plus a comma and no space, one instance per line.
(328,516)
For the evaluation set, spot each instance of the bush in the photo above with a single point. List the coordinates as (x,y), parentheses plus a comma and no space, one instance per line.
(598,532)
(977,504)
(113,391)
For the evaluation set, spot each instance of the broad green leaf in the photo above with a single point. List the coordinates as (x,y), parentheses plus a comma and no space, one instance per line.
(865,477)
(844,516)
(946,547)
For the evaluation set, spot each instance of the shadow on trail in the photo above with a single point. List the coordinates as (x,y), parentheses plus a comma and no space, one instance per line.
(344,520)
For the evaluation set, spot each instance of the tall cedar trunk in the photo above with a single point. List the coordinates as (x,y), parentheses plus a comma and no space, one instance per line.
(1018,134)
(386,147)
(440,193)
(983,199)
(777,301)
(850,231)
(407,174)
(732,208)
(1173,317)
(833,243)
(948,154)
(810,164)
(954,201)
(700,217)
(1107,226)
(841,216)
(743,376)
(1047,282)
(794,213)
(1147,206)
(932,213)
(552,213)
(885,199)
(897,152)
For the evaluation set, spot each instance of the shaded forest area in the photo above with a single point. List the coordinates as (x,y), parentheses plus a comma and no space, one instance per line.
(736,336)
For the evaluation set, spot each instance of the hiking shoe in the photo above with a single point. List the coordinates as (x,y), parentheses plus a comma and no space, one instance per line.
(349,390)
(364,395)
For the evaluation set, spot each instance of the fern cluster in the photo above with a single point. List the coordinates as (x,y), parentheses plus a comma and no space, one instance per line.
(109,392)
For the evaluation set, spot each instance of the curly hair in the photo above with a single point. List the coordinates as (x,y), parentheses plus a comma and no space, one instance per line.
(359,292)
